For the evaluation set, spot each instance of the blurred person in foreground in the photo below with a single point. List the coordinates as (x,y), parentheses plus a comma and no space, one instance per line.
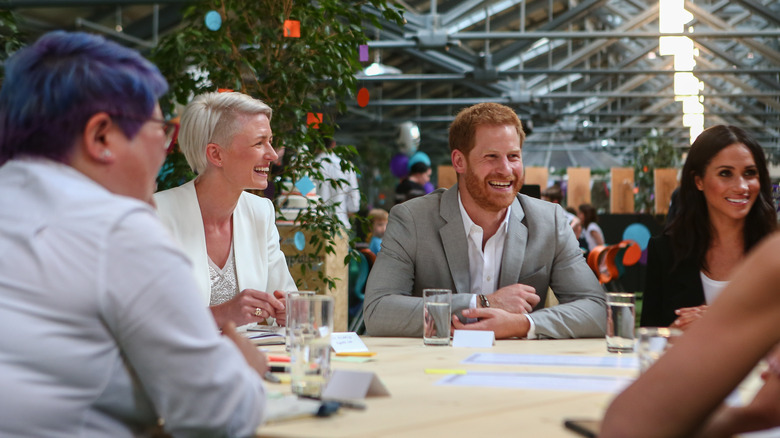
(102,335)
(682,394)
(229,234)
(724,209)
(497,250)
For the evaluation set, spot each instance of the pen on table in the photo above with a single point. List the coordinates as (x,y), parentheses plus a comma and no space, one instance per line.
(357,353)
(276,358)
(349,404)
(279,369)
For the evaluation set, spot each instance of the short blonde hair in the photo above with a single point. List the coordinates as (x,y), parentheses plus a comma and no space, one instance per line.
(214,118)
(377,214)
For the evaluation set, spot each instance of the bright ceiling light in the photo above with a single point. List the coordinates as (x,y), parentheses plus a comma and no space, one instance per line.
(672,19)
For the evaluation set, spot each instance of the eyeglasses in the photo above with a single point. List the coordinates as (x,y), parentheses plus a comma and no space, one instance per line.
(170,128)
(171,132)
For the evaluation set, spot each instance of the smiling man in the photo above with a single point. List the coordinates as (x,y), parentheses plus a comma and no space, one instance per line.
(497,250)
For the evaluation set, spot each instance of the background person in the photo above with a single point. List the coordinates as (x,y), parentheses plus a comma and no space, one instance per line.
(229,234)
(345,197)
(496,250)
(413,185)
(102,335)
(725,207)
(378,219)
(590,228)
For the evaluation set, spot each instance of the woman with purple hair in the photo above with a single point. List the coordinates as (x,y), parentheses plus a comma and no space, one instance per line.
(103,334)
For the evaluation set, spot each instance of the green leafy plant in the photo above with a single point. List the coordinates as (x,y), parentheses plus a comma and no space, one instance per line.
(655,152)
(12,39)
(311,74)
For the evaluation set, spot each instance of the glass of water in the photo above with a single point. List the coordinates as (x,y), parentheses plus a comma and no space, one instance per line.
(621,319)
(437,311)
(311,325)
(288,297)
(653,343)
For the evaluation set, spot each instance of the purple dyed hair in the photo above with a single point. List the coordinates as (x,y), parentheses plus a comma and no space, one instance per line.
(53,87)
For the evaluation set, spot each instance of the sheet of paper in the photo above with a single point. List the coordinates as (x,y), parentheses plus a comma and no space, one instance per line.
(473,338)
(614,361)
(347,342)
(541,381)
(354,385)
(290,407)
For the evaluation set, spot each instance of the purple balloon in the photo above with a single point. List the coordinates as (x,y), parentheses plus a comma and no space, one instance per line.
(398,165)
(429,187)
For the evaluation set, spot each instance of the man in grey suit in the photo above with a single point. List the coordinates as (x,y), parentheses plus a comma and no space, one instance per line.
(498,251)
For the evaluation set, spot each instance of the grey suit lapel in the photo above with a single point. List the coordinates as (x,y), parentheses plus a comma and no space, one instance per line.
(514,246)
(453,239)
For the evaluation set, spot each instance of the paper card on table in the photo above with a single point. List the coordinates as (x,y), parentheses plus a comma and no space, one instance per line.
(473,338)
(347,342)
(345,384)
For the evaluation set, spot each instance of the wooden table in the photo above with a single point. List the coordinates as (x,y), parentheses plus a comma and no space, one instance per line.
(418,407)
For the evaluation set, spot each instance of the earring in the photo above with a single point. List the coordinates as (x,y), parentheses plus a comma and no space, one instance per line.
(106,153)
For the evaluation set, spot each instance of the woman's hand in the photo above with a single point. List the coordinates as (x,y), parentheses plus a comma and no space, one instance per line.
(248,306)
(687,316)
(281,315)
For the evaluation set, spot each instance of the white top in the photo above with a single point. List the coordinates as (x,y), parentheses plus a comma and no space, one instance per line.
(588,238)
(348,195)
(711,287)
(102,333)
(485,266)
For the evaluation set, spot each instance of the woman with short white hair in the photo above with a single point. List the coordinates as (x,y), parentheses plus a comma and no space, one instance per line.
(229,234)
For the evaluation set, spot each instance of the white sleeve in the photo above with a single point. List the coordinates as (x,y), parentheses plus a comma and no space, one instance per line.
(198,381)
(353,195)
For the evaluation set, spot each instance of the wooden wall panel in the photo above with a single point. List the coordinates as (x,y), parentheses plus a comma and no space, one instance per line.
(578,186)
(665,183)
(621,197)
(447,177)
(536,175)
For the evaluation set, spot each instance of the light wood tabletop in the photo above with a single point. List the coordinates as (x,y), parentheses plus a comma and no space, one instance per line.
(419,406)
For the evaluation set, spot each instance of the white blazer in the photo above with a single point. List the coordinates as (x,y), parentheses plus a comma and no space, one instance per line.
(260,262)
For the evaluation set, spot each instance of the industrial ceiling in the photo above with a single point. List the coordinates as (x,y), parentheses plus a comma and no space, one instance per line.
(586,75)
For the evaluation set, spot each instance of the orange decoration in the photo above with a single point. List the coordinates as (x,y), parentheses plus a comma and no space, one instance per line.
(292,28)
(362,97)
(224,90)
(314,120)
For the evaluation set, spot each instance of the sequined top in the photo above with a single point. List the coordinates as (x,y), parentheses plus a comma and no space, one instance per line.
(224,285)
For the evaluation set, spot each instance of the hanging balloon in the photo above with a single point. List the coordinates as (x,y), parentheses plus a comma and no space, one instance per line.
(429,187)
(419,157)
(408,137)
(399,165)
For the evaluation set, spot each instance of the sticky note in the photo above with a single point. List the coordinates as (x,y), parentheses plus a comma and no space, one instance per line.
(347,342)
(292,28)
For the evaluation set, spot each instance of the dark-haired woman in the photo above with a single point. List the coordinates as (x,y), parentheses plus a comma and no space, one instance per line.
(725,208)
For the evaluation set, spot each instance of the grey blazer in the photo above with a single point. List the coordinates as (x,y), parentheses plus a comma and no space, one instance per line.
(425,246)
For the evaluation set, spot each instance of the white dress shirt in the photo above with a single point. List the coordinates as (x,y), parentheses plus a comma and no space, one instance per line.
(485,265)
(103,331)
